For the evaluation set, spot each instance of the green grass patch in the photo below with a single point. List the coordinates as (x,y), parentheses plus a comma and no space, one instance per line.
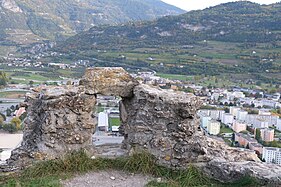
(99,109)
(225,129)
(114,121)
(49,173)
(175,77)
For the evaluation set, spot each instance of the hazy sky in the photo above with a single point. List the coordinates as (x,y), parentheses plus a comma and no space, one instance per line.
(201,4)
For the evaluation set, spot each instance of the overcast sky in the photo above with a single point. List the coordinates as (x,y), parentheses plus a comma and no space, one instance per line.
(201,4)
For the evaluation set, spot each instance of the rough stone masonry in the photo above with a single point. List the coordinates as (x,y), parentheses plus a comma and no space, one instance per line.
(60,120)
(161,122)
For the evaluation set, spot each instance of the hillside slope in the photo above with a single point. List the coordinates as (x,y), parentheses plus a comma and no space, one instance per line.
(230,22)
(241,39)
(31,20)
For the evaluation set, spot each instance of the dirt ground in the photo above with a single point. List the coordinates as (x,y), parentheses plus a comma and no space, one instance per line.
(107,179)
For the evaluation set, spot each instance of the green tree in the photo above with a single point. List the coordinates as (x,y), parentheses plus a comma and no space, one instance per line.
(16,122)
(8,112)
(23,116)
(273,90)
(31,83)
(1,120)
(3,116)
(10,128)
(226,109)
(3,78)
(258,135)
(13,108)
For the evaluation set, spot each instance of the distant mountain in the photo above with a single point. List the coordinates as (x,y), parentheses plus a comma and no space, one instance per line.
(231,22)
(25,21)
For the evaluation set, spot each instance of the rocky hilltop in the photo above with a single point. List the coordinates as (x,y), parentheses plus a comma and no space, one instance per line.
(161,122)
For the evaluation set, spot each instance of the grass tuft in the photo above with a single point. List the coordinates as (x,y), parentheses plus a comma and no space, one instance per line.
(49,173)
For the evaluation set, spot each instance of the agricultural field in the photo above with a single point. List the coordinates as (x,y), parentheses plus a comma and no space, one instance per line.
(12,94)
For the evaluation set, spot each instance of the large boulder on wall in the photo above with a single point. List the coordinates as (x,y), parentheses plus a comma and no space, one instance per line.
(108,81)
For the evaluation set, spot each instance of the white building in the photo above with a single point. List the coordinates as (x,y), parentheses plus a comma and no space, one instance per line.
(258,103)
(205,121)
(246,100)
(239,94)
(215,96)
(270,103)
(261,121)
(278,125)
(276,96)
(241,115)
(264,112)
(239,126)
(234,110)
(259,124)
(216,114)
(103,121)
(227,118)
(267,134)
(222,112)
(231,95)
(115,129)
(272,120)
(213,127)
(266,102)
(204,113)
(272,155)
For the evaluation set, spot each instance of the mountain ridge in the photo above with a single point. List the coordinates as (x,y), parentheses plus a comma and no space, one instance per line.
(231,22)
(52,19)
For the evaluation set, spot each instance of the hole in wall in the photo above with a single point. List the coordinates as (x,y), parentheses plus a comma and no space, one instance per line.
(108,121)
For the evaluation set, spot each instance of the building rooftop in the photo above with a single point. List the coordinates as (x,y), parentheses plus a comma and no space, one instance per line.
(247,137)
(214,121)
(228,114)
(272,149)
(256,144)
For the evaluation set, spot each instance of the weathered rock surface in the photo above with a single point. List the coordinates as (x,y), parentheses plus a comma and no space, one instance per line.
(108,81)
(59,121)
(165,124)
(266,174)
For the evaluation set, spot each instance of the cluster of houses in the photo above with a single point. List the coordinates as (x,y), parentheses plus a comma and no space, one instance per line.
(237,96)
(151,78)
(37,63)
(109,104)
(244,127)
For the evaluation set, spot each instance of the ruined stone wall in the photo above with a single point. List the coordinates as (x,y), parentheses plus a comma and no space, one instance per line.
(162,122)
(59,120)
(165,124)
